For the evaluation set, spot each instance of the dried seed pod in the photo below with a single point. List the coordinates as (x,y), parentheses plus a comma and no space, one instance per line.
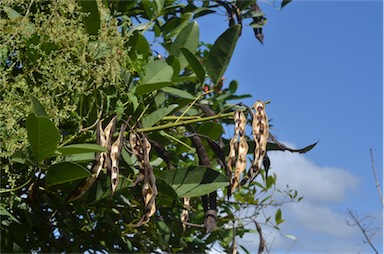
(82,189)
(260,131)
(185,213)
(141,148)
(104,138)
(102,160)
(239,146)
(115,158)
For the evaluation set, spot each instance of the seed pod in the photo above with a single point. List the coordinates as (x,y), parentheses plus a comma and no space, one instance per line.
(260,131)
(141,147)
(239,146)
(115,158)
(185,213)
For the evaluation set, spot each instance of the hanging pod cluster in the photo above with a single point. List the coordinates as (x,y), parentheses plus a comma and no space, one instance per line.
(237,157)
(108,160)
(140,148)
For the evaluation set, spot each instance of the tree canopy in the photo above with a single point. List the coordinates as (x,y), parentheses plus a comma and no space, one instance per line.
(108,145)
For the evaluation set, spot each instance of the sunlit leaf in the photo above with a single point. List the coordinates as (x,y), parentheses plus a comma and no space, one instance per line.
(81,148)
(221,53)
(65,172)
(43,136)
(292,237)
(187,38)
(156,72)
(178,92)
(157,115)
(278,217)
(39,109)
(195,181)
(147,88)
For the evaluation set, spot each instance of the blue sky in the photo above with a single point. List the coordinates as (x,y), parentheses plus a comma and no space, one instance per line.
(321,66)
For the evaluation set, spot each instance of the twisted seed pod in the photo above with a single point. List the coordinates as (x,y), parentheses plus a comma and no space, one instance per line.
(239,143)
(260,131)
(185,213)
(115,158)
(141,147)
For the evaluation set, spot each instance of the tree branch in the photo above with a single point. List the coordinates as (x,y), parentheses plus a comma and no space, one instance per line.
(376,179)
(363,230)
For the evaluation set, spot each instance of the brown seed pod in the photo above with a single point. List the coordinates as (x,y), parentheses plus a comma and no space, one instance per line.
(115,158)
(141,148)
(239,146)
(260,131)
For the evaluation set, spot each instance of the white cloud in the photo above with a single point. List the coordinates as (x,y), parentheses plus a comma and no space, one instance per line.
(317,184)
(319,220)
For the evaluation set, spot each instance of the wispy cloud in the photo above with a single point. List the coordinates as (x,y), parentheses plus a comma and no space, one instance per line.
(319,220)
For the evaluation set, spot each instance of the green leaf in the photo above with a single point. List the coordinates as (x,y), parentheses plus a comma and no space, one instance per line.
(39,109)
(284,3)
(178,92)
(92,21)
(174,62)
(147,88)
(4,212)
(157,115)
(156,72)
(270,181)
(211,129)
(43,136)
(221,53)
(278,217)
(292,237)
(281,147)
(81,148)
(65,172)
(194,63)
(138,46)
(187,38)
(233,86)
(11,13)
(81,157)
(195,181)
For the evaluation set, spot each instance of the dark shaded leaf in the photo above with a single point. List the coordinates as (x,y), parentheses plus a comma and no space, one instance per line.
(195,181)
(277,146)
(194,63)
(284,3)
(221,53)
(65,172)
(92,21)
(211,129)
(43,136)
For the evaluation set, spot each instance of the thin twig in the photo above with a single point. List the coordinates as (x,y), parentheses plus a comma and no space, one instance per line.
(262,240)
(363,230)
(376,179)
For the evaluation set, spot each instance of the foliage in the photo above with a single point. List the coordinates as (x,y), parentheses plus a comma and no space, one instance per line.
(66,66)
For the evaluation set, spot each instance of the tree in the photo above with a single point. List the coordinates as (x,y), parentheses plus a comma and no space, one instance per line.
(108,145)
